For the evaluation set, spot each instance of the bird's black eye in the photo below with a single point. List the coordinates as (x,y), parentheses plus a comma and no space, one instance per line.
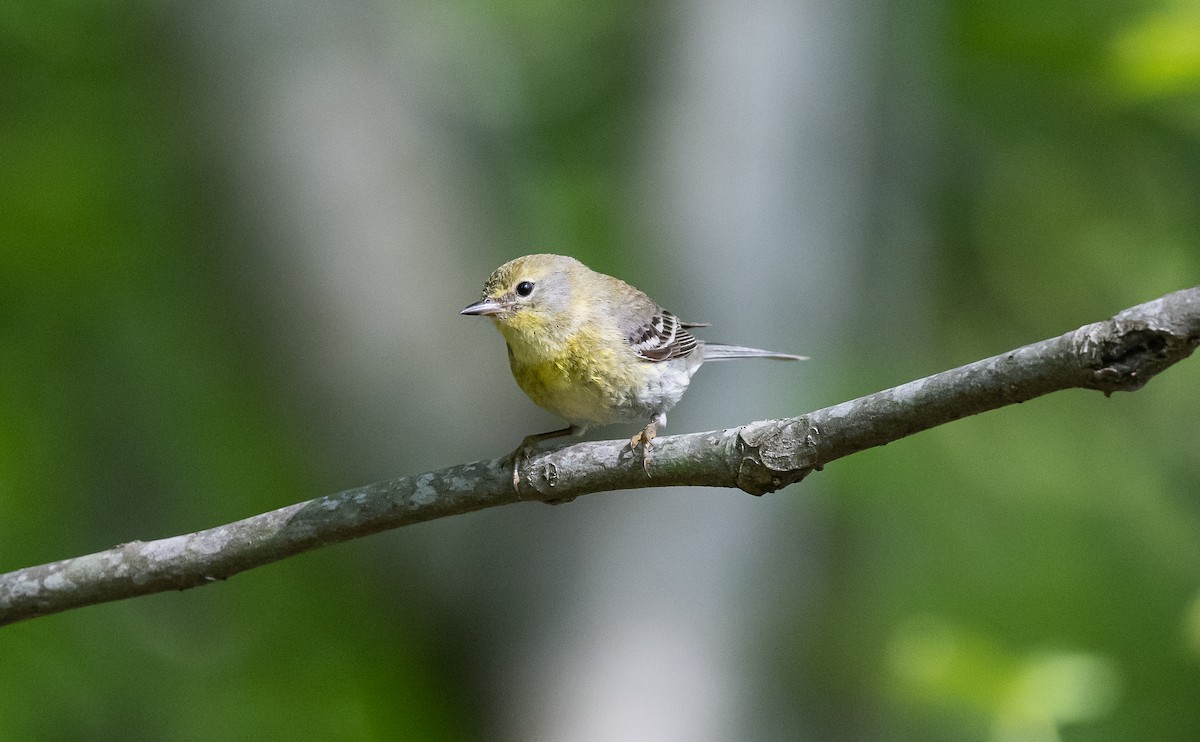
(524,288)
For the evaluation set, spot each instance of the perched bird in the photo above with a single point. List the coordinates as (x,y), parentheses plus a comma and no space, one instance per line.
(592,349)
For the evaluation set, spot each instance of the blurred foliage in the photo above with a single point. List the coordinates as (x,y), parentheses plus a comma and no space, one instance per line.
(555,141)
(133,405)
(1031,574)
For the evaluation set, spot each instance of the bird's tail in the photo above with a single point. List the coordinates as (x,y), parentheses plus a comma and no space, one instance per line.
(718,352)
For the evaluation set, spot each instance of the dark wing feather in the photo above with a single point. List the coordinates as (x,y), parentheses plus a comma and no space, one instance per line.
(651,331)
(663,337)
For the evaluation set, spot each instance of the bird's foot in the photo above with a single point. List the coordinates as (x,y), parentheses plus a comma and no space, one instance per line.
(529,445)
(642,438)
(519,456)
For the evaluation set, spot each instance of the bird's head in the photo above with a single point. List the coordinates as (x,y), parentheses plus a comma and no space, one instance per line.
(530,293)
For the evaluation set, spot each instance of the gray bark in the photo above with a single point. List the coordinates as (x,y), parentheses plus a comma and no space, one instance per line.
(1120,354)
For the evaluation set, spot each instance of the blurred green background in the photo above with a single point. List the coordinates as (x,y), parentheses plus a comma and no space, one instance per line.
(233,241)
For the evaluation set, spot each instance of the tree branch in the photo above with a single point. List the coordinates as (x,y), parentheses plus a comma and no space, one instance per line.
(1120,354)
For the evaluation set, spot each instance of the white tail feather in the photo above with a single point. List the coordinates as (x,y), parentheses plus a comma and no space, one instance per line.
(718,352)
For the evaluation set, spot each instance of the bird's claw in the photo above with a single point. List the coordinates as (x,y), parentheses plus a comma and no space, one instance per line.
(520,456)
(642,438)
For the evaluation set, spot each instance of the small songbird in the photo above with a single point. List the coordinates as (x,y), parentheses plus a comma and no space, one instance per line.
(592,349)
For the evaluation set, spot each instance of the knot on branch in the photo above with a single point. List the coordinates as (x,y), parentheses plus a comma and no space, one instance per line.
(1125,353)
(775,453)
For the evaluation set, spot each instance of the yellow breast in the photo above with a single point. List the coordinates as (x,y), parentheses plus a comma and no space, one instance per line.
(579,377)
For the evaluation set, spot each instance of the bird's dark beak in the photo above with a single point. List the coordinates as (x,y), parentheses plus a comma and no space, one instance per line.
(483,308)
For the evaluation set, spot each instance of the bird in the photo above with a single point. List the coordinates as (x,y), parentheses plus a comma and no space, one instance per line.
(594,350)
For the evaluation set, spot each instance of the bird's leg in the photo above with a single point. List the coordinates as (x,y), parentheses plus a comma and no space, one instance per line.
(644,436)
(525,450)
